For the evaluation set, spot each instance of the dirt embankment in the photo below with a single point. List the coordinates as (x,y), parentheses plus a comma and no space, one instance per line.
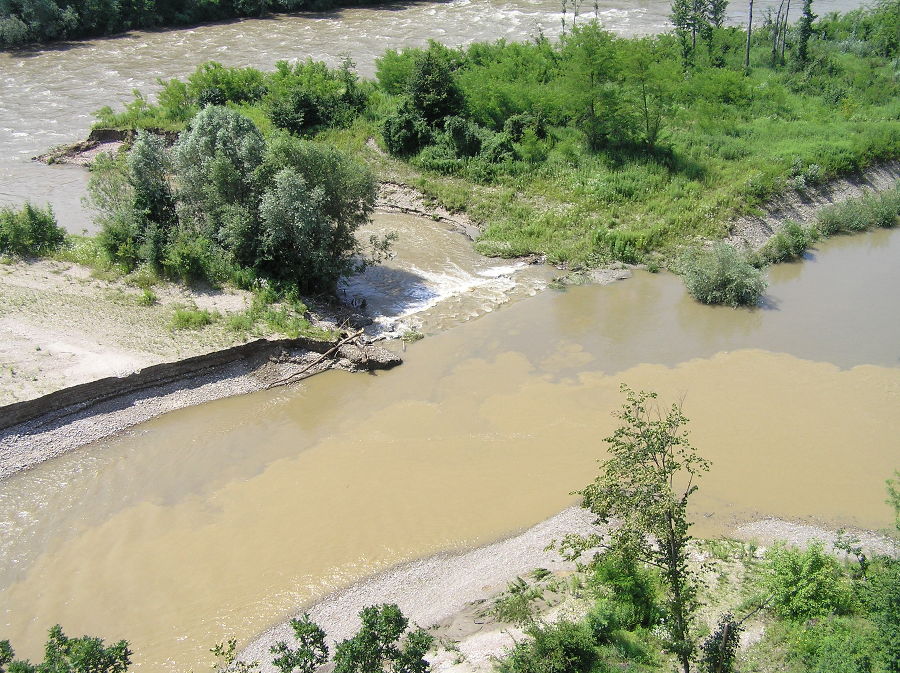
(752,231)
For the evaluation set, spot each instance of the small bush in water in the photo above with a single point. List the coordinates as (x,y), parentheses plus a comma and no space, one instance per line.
(722,275)
(789,243)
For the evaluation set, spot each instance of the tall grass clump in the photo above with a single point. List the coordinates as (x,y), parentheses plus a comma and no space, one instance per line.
(30,231)
(192,318)
(869,212)
(722,275)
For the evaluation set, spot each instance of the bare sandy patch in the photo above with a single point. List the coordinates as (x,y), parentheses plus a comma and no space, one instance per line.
(61,326)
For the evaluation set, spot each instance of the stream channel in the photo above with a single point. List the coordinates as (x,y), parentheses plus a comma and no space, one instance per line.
(219,520)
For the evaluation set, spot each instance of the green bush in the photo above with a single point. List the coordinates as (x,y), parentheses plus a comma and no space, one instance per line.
(433,90)
(868,212)
(405,132)
(883,601)
(70,655)
(636,592)
(562,647)
(835,645)
(789,243)
(29,231)
(807,584)
(722,275)
(192,319)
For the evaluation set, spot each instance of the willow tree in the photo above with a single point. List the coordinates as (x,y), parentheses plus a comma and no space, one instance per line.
(642,494)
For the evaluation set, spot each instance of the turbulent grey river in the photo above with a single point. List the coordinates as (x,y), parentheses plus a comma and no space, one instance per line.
(47,96)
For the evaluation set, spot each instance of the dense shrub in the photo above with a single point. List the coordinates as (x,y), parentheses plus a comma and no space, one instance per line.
(29,231)
(790,242)
(722,275)
(882,597)
(868,212)
(635,590)
(70,655)
(433,91)
(464,136)
(806,584)
(836,645)
(562,647)
(307,96)
(240,209)
(406,131)
(375,647)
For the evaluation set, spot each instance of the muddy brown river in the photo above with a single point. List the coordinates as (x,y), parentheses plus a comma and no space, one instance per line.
(222,519)
(219,520)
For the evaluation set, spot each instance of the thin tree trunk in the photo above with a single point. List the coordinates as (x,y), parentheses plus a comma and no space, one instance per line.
(749,31)
(784,29)
(777,28)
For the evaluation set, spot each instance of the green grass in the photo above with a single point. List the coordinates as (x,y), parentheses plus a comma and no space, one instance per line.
(188,318)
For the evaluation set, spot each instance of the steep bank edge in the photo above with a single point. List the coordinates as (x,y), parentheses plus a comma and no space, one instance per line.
(36,430)
(752,231)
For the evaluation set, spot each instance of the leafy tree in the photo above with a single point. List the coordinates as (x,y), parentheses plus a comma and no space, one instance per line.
(311,652)
(717,653)
(592,68)
(149,168)
(215,164)
(649,73)
(376,647)
(804,32)
(644,487)
(433,90)
(715,12)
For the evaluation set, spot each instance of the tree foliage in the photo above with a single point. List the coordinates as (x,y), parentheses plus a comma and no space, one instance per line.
(718,651)
(643,491)
(224,199)
(377,645)
(311,651)
(70,655)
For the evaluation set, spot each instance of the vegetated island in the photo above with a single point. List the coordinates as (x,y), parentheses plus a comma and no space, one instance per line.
(592,149)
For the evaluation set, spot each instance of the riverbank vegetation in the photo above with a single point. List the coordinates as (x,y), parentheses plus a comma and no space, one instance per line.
(593,148)
(29,231)
(24,22)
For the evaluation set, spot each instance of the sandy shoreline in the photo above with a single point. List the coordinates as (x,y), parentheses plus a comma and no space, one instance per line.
(445,592)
